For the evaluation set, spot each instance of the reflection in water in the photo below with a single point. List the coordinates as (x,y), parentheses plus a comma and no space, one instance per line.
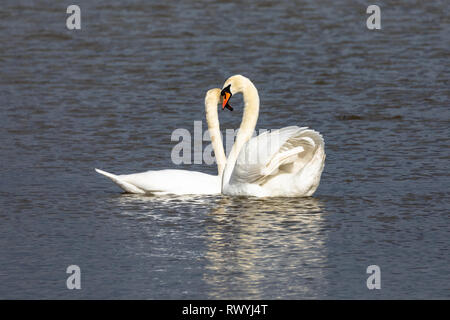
(243,247)
(265,248)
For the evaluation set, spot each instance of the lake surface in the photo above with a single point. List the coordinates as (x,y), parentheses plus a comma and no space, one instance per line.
(110,95)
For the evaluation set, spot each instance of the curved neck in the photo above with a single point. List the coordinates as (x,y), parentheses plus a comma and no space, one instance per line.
(247,127)
(212,120)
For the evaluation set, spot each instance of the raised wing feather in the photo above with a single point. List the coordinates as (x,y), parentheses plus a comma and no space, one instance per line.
(288,150)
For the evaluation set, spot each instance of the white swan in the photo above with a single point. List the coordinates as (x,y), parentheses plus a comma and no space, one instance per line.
(286,163)
(181,181)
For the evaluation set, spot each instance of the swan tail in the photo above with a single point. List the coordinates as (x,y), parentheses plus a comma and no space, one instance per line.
(126,186)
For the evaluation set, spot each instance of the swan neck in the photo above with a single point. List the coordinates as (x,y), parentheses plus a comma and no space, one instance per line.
(212,120)
(246,129)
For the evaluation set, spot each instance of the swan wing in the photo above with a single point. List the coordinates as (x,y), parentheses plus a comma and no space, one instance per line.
(287,150)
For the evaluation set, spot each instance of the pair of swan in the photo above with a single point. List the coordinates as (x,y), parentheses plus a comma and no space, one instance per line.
(282,163)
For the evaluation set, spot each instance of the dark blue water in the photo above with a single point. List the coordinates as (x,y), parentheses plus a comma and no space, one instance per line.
(110,95)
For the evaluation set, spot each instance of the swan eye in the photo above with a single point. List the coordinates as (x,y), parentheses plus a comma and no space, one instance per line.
(225,90)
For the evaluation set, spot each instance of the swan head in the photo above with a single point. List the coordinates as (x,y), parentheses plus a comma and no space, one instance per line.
(225,96)
(233,85)
(212,97)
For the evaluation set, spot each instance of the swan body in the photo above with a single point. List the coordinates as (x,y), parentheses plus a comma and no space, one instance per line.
(180,182)
(282,163)
(168,181)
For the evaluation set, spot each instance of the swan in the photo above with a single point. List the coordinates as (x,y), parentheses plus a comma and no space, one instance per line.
(287,162)
(181,182)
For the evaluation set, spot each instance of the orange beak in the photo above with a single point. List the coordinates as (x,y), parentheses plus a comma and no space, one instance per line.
(225,100)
